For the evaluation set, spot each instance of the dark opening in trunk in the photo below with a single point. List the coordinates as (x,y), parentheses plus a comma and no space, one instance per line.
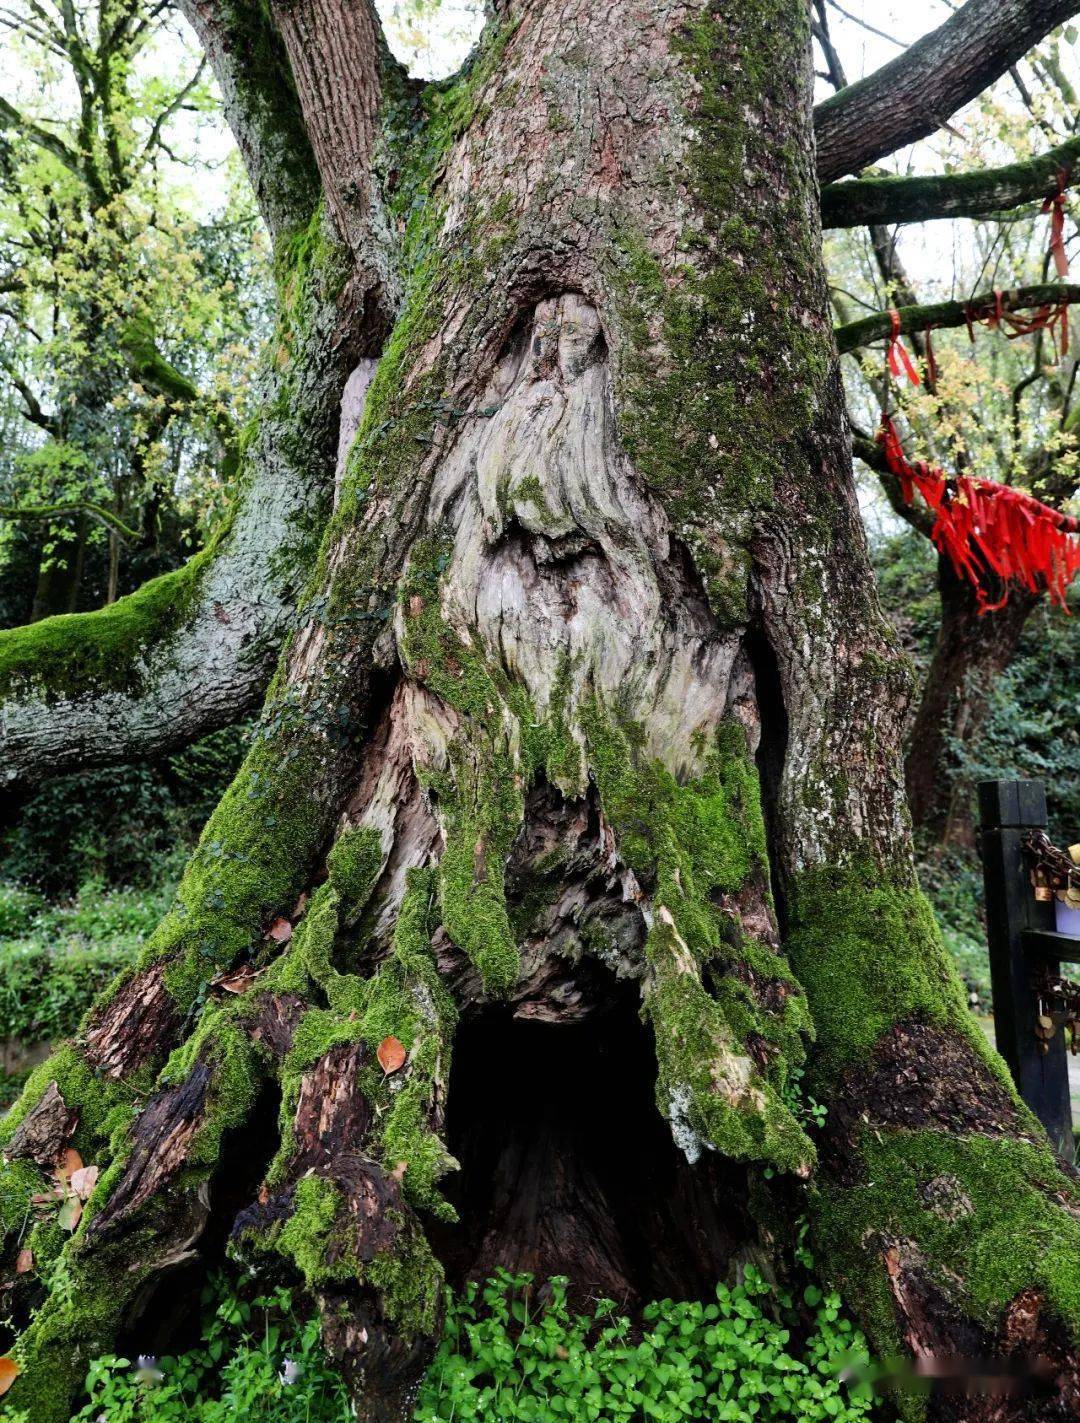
(569,1169)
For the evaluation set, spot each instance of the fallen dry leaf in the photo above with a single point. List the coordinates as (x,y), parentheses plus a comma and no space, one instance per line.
(280,931)
(83,1181)
(239,981)
(9,1372)
(391,1055)
(398,1173)
(70,1161)
(24,1261)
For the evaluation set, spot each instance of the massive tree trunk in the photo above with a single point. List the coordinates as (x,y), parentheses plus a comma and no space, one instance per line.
(590,714)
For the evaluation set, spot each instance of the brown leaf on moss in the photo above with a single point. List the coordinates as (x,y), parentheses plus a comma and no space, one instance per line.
(83,1181)
(391,1055)
(280,931)
(240,980)
(70,1162)
(9,1372)
(24,1261)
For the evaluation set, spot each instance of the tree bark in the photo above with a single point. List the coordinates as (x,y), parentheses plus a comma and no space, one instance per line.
(971,652)
(586,748)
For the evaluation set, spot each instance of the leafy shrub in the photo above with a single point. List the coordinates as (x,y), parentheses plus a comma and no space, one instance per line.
(501,1361)
(117,824)
(734,1359)
(19,906)
(256,1360)
(55,958)
(65,954)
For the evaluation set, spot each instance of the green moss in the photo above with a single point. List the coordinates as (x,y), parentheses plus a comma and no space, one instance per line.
(480,799)
(977,1214)
(869,954)
(150,367)
(84,654)
(252,858)
(312,1231)
(104,1105)
(319,1238)
(355,863)
(693,843)
(699,412)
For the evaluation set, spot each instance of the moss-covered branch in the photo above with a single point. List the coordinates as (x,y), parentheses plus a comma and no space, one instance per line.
(53,511)
(945,314)
(192,650)
(150,367)
(886,199)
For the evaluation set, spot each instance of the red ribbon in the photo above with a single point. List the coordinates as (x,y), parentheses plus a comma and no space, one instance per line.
(1055,206)
(979,524)
(1053,317)
(899,360)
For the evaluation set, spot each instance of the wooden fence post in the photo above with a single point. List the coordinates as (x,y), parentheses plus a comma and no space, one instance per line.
(1007,809)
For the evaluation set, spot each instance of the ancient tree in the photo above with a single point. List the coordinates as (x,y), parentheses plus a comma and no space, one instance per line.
(578,789)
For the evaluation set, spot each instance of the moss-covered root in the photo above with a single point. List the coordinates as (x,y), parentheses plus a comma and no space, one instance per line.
(939,1210)
(363,1088)
(728,1016)
(148,1208)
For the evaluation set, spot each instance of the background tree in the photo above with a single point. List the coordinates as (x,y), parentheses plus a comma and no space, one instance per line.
(95,213)
(589,711)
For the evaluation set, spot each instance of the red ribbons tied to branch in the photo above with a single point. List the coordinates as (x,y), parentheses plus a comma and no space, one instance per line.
(1055,206)
(900,363)
(1054,317)
(980,525)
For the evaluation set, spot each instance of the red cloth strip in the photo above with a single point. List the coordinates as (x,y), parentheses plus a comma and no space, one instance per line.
(900,363)
(1017,537)
(1055,206)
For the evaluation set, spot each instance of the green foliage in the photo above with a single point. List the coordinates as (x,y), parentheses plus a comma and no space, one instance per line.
(1030,729)
(237,1370)
(122,826)
(65,953)
(746,1355)
(755,1352)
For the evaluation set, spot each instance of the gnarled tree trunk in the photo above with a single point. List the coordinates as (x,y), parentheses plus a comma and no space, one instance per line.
(590,714)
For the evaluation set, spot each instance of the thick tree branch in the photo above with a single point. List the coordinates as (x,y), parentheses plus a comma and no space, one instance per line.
(337,54)
(252,70)
(991,190)
(915,93)
(945,314)
(190,651)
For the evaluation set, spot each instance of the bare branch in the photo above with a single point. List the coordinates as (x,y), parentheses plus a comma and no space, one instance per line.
(11,118)
(916,93)
(32,410)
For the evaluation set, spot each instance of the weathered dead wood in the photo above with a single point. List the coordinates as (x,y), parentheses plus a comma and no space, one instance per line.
(137,1025)
(44,1132)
